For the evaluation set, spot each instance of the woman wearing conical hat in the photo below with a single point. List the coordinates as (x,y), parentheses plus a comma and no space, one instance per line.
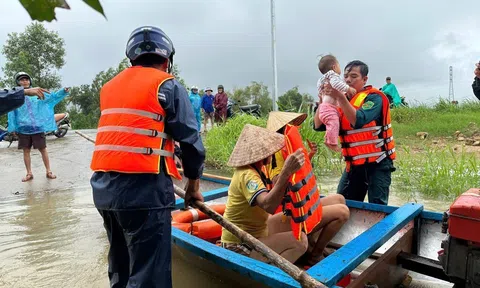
(333,217)
(250,204)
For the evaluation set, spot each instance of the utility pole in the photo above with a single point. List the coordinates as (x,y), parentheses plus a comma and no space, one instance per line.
(451,94)
(274,57)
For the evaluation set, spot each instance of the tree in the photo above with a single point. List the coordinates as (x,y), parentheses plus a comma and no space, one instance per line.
(176,73)
(44,10)
(86,98)
(37,51)
(255,93)
(294,101)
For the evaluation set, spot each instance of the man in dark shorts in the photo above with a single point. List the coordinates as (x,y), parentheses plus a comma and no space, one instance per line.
(30,121)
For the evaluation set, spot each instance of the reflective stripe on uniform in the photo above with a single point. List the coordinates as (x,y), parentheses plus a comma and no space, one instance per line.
(139,150)
(379,142)
(147,132)
(377,130)
(355,131)
(386,153)
(154,116)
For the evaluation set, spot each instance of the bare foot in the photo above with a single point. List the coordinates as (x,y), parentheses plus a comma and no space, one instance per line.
(28,177)
(314,259)
(50,175)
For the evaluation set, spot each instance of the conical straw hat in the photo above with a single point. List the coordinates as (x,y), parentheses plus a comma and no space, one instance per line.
(255,144)
(276,119)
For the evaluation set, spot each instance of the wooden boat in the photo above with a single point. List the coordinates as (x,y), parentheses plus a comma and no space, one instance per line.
(377,245)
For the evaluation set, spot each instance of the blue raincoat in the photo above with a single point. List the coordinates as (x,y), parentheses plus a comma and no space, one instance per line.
(391,90)
(196,105)
(35,116)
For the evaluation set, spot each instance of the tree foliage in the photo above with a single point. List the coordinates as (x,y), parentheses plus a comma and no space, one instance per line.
(44,10)
(294,101)
(255,93)
(176,73)
(86,98)
(37,51)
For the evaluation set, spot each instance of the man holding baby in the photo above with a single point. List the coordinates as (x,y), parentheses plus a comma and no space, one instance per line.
(364,130)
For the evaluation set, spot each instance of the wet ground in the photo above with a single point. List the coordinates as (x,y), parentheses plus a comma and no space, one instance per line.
(51,235)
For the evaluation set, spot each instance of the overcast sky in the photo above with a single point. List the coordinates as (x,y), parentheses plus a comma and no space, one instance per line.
(228,41)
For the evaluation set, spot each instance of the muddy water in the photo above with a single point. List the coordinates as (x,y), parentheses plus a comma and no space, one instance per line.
(51,235)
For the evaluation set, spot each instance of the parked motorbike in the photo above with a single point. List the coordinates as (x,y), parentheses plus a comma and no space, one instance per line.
(62,127)
(252,109)
(7,136)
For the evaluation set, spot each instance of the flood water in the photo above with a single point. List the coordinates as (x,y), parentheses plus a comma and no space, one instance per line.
(51,235)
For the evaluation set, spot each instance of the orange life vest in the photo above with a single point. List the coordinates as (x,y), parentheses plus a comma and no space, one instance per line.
(371,143)
(302,201)
(131,134)
(265,175)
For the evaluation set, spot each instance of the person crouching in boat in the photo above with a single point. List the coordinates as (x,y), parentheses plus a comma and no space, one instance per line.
(249,202)
(333,217)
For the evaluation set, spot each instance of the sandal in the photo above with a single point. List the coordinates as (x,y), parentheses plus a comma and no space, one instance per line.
(50,175)
(28,177)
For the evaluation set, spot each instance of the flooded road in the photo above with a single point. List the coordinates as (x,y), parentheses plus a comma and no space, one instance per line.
(51,235)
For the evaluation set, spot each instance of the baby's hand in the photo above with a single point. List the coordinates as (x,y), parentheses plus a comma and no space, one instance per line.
(351,91)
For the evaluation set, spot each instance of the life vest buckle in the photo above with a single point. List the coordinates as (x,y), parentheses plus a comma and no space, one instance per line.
(154,133)
(159,118)
(149,151)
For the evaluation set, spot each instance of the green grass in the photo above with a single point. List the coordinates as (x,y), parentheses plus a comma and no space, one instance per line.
(436,173)
(442,120)
(422,168)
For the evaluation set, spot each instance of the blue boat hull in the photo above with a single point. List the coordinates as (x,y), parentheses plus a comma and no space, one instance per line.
(367,247)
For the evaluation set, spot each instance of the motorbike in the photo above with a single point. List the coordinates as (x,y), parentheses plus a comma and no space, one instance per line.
(63,125)
(252,109)
(390,99)
(7,136)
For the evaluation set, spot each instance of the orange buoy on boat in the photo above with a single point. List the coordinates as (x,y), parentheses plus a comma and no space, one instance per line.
(195,222)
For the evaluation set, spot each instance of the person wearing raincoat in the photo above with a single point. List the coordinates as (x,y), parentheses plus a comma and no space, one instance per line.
(31,120)
(392,93)
(196,101)
(11,99)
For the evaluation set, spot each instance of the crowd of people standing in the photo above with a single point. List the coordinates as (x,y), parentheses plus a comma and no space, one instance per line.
(213,107)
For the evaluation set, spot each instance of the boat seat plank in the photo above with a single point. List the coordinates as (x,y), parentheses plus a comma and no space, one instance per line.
(337,265)
(207,196)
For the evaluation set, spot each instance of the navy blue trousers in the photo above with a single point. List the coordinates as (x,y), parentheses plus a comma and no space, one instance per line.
(140,252)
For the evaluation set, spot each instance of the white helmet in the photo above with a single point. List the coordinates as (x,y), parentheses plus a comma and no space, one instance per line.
(194,88)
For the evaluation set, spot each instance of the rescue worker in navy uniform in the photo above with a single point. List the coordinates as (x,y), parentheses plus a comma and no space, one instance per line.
(143,111)
(366,137)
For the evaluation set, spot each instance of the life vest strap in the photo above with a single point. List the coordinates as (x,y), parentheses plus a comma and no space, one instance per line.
(299,204)
(303,218)
(139,150)
(381,155)
(138,112)
(377,130)
(140,131)
(297,186)
(379,142)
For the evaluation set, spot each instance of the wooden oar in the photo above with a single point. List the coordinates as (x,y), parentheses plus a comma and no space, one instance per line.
(85,136)
(298,274)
